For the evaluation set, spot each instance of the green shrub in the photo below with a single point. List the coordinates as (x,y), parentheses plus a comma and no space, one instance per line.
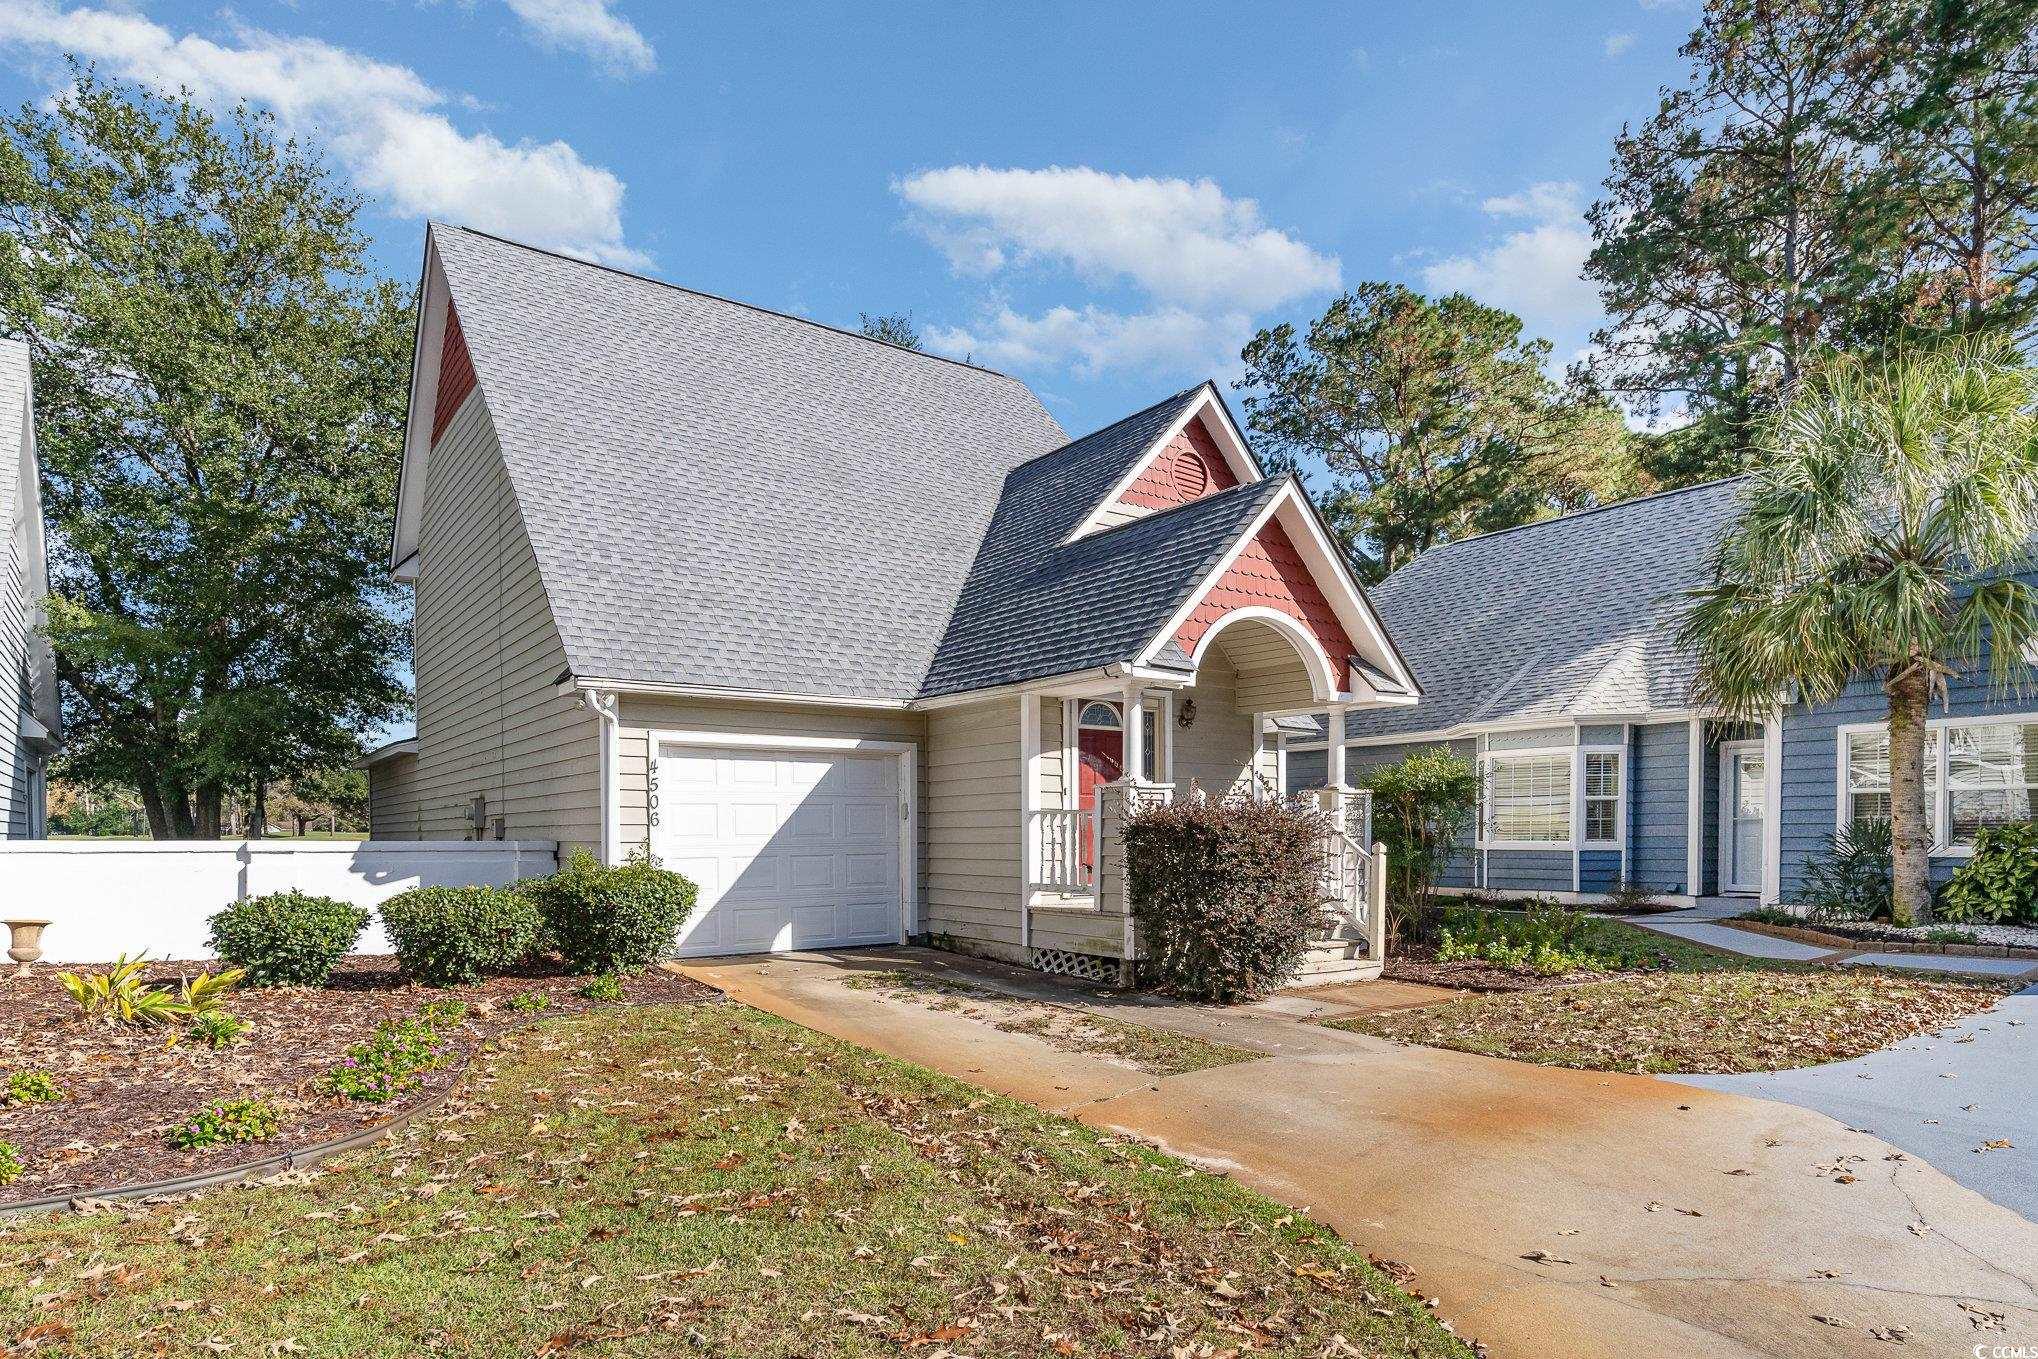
(1545,938)
(530,1002)
(287,938)
(123,995)
(1852,878)
(612,919)
(216,1028)
(1998,885)
(11,1167)
(1423,804)
(446,1012)
(30,1087)
(233,1120)
(447,935)
(1227,894)
(606,987)
(389,1063)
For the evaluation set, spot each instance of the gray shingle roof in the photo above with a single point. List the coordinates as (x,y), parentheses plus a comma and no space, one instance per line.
(1573,616)
(1034,607)
(722,496)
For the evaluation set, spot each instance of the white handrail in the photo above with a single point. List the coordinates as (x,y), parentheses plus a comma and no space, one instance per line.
(1062,835)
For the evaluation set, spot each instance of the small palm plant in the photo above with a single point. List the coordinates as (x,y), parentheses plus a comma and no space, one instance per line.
(1880,536)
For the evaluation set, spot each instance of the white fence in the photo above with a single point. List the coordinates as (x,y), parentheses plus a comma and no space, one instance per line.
(107,897)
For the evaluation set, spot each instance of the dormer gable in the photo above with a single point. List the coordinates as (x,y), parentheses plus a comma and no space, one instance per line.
(1199,454)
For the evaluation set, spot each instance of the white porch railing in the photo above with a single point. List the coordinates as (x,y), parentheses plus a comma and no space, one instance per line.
(1354,886)
(1065,850)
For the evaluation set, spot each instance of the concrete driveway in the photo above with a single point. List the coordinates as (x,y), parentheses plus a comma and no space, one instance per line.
(1669,1219)
(1965,1099)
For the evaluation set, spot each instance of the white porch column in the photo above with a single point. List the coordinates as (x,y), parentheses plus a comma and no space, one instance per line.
(1772,810)
(1029,802)
(1334,753)
(1135,732)
(1694,826)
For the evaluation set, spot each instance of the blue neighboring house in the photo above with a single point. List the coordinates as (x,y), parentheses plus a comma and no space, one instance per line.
(1548,656)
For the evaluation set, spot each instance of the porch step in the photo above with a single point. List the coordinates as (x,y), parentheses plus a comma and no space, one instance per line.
(1330,961)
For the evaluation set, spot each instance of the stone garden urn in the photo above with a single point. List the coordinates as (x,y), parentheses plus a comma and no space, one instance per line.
(24,942)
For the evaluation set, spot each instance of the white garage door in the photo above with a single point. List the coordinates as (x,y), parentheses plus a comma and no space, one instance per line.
(791,849)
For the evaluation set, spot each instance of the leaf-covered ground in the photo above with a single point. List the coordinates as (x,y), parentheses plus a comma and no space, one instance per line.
(1725,1020)
(125,1087)
(1627,950)
(707,1179)
(1155,1050)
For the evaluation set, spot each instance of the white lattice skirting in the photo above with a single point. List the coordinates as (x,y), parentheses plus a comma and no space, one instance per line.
(1089,967)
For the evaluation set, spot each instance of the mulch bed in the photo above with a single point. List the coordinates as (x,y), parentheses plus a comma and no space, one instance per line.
(124,1088)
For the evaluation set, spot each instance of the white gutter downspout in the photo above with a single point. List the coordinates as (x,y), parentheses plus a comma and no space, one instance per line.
(607,712)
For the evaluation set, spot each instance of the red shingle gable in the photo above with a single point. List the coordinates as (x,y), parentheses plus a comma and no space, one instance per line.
(1271,574)
(456,375)
(1189,468)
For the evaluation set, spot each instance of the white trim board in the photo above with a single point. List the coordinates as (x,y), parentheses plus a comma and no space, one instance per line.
(1208,407)
(1355,614)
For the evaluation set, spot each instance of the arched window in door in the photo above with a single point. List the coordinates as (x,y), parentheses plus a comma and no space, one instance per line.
(1100,717)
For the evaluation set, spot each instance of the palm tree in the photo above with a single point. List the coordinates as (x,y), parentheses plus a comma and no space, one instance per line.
(1880,536)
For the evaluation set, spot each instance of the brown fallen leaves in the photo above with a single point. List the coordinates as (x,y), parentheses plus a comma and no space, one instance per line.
(1736,1020)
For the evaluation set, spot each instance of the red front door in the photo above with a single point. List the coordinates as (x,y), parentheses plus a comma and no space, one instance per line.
(1100,759)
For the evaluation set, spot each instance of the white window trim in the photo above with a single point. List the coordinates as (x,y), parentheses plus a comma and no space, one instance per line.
(1486,758)
(1941,811)
(1620,797)
(1482,759)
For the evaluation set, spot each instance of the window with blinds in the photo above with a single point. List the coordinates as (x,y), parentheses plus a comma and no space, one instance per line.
(1528,798)
(1602,796)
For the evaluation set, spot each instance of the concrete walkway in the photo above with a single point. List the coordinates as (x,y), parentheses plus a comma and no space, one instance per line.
(1705,924)
(1663,1219)
(1944,1097)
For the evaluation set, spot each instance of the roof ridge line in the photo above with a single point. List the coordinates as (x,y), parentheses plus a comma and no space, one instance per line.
(1582,514)
(731,301)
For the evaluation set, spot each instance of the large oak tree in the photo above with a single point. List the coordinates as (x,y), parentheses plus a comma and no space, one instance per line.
(220,395)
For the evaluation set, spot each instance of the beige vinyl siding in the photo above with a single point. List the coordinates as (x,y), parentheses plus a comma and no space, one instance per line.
(17,783)
(643,714)
(490,721)
(393,799)
(1118,512)
(1271,675)
(970,818)
(1216,750)
(1057,780)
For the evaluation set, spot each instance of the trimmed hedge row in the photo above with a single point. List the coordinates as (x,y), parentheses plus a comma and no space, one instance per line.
(599,920)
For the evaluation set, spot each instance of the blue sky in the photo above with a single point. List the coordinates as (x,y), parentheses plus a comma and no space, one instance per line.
(1103,199)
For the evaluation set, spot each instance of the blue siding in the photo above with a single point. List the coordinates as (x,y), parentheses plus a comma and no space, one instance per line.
(1306,769)
(1811,756)
(1659,805)
(1598,870)
(1529,870)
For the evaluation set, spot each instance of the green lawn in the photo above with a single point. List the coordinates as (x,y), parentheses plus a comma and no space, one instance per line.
(1696,1011)
(663,1180)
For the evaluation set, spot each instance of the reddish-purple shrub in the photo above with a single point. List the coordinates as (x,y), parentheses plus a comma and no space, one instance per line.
(1226,894)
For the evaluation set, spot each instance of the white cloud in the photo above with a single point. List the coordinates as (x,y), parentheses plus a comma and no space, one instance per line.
(381,121)
(1618,43)
(1205,262)
(1534,271)
(591,28)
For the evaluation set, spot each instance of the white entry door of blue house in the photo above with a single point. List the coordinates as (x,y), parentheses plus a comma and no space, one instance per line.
(1743,812)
